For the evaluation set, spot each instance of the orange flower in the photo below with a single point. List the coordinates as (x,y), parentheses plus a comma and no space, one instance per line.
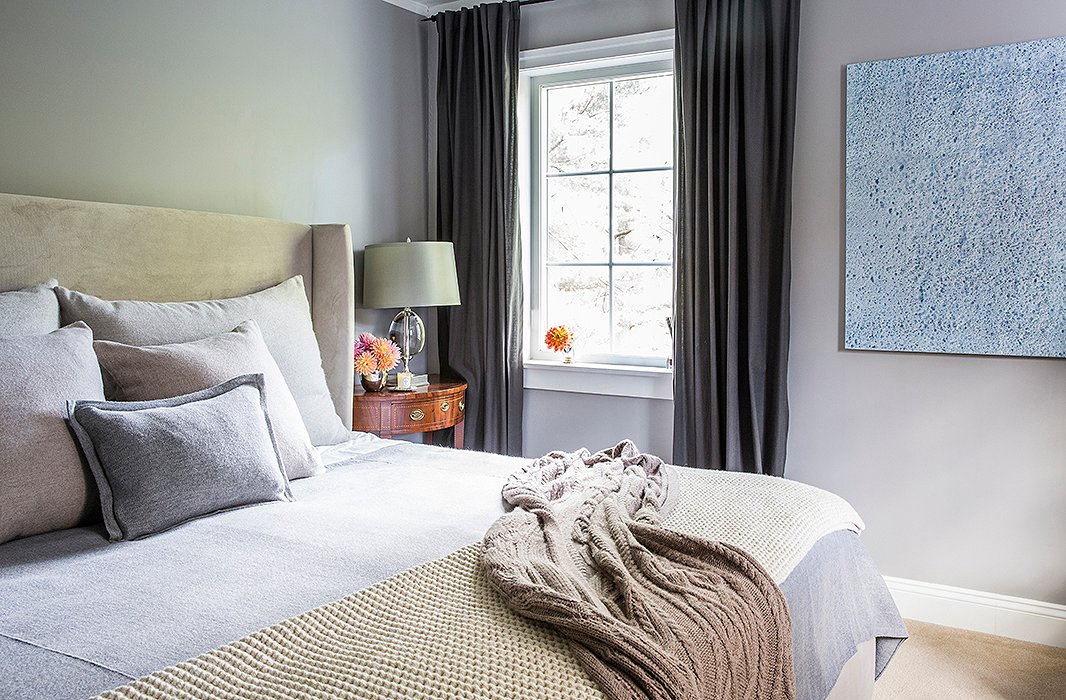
(559,338)
(375,354)
(365,364)
(385,353)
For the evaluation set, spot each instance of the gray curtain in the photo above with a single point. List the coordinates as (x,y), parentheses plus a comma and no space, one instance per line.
(477,174)
(735,67)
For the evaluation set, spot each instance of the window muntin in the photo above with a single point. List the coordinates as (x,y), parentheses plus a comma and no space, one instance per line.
(602,212)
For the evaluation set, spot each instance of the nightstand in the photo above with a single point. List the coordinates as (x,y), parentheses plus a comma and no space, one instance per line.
(425,410)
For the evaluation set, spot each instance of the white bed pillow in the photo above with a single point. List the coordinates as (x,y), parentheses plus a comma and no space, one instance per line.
(44,485)
(281,311)
(30,311)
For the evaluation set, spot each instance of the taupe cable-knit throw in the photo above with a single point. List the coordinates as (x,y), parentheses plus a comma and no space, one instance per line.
(649,612)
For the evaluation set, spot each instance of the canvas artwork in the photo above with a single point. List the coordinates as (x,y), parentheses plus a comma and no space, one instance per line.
(956,202)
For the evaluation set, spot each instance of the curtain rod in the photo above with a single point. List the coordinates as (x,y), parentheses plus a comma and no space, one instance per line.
(520,3)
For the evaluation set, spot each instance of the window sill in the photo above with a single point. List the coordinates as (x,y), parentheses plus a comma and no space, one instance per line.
(605,380)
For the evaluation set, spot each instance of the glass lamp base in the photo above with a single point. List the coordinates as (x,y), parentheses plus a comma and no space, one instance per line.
(409,334)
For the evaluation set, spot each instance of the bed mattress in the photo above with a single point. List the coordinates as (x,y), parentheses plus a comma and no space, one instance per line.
(79,615)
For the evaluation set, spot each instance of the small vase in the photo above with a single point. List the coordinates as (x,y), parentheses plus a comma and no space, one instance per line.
(375,381)
(568,356)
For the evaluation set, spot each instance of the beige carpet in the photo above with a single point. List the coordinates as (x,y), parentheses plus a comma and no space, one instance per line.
(943,663)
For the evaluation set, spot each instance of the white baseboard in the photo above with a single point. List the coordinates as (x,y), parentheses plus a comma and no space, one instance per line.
(1003,615)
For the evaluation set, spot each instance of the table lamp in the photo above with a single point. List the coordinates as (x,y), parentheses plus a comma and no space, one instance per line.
(419,273)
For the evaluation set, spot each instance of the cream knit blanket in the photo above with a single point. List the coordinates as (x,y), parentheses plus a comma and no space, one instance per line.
(438,630)
(775,520)
(649,612)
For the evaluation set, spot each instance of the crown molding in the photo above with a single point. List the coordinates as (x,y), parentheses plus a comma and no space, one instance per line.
(419,8)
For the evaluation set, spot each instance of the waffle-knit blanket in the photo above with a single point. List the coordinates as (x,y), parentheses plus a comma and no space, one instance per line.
(649,612)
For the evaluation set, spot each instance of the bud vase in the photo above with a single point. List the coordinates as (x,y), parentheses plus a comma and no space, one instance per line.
(568,356)
(375,381)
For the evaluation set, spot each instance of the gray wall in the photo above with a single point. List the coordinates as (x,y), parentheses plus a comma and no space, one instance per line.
(570,21)
(308,111)
(562,420)
(957,464)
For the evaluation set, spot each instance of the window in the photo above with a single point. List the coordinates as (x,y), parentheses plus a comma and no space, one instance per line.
(601,211)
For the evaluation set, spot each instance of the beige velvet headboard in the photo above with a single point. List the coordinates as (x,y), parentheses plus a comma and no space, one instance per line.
(118,251)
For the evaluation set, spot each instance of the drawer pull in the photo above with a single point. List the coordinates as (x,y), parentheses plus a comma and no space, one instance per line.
(444,406)
(462,405)
(417,414)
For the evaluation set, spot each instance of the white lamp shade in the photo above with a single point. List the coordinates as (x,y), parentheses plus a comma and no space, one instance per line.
(419,273)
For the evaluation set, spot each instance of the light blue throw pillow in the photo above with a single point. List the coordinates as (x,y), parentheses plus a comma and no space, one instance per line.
(162,463)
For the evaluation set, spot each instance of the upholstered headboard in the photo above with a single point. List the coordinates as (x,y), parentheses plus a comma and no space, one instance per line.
(118,251)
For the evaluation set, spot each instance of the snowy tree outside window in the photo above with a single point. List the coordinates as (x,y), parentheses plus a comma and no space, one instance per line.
(603,213)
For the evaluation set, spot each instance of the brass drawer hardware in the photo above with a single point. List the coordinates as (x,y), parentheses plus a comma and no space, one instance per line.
(417,414)
(462,405)
(444,406)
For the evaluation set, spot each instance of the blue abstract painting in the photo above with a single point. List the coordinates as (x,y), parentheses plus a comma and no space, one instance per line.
(956,202)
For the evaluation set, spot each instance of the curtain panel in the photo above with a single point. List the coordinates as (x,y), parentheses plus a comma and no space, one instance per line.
(477,174)
(735,73)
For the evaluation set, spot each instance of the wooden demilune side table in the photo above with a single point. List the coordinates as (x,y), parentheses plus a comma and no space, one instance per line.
(425,410)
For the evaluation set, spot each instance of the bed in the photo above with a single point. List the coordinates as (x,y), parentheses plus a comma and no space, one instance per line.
(80,615)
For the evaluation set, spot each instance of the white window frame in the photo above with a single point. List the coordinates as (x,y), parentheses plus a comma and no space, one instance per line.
(623,376)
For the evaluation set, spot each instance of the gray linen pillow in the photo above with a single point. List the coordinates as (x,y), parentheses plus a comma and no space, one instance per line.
(30,311)
(44,485)
(162,463)
(150,372)
(283,317)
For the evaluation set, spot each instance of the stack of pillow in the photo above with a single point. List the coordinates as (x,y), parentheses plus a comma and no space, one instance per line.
(147,414)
